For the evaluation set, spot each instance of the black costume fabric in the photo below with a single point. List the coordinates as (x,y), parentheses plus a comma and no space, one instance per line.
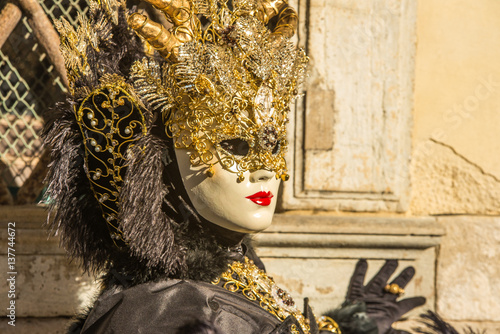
(182,306)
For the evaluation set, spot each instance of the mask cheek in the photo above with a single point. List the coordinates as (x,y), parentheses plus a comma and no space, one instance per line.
(221,200)
(205,200)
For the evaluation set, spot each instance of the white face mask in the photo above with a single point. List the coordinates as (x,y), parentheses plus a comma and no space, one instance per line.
(246,206)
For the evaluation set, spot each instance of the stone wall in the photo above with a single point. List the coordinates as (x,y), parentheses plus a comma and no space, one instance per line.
(455,171)
(49,288)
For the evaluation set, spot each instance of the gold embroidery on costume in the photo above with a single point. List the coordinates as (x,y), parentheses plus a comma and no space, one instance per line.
(110,120)
(294,329)
(255,285)
(328,324)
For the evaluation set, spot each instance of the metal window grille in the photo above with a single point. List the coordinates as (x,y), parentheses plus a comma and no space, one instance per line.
(29,86)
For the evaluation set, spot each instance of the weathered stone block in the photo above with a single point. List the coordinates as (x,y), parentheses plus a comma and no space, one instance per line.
(468,273)
(445,182)
(36,326)
(47,286)
(319,120)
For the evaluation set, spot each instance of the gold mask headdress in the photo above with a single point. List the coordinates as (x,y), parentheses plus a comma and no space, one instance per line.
(228,81)
(223,89)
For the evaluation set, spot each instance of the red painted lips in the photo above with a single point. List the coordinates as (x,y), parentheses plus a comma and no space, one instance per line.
(261,198)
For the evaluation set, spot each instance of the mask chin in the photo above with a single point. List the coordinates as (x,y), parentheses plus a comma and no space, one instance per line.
(246,206)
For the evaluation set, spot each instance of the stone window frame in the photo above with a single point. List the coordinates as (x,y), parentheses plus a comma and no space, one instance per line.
(389,196)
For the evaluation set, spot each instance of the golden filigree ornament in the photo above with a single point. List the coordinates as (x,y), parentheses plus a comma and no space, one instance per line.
(328,324)
(75,44)
(111,122)
(229,79)
(111,8)
(294,329)
(255,285)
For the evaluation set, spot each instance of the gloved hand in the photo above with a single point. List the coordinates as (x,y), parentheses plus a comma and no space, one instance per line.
(382,306)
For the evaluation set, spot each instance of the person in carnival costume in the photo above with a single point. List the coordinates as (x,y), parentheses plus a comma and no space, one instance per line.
(168,152)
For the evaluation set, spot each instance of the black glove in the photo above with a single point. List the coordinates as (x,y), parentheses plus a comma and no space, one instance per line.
(381,306)
(352,319)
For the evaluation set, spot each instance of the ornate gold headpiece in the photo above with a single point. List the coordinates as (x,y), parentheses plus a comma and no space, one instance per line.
(224,89)
(228,81)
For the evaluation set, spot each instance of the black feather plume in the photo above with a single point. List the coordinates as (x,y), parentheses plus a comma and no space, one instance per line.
(434,324)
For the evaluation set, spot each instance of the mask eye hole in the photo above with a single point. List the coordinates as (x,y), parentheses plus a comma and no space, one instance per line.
(277,148)
(235,146)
